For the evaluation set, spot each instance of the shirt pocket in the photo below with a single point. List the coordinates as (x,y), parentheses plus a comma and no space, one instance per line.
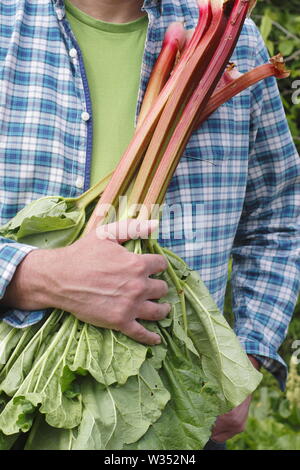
(216,140)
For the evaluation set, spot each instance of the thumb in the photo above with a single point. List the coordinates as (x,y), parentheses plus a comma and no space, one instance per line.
(130,229)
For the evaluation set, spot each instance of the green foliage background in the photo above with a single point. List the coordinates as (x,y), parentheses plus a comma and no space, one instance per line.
(274,420)
(279,23)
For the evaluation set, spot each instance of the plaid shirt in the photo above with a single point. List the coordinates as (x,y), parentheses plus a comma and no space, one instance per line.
(237,182)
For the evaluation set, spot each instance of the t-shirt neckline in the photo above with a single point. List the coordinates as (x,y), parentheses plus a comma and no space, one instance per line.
(103,25)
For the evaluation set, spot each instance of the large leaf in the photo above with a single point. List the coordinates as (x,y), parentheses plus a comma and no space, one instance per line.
(48,222)
(194,405)
(20,362)
(45,385)
(45,371)
(107,355)
(112,416)
(223,360)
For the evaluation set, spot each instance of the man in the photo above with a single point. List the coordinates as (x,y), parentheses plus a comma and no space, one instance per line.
(71,73)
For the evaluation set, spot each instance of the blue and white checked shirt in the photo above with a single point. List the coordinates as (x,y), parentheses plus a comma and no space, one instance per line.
(238,180)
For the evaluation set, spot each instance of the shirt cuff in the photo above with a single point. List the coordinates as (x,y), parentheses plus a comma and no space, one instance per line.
(268,358)
(24,318)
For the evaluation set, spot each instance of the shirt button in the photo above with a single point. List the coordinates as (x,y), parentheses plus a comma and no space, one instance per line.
(73,53)
(60,14)
(85,116)
(79,182)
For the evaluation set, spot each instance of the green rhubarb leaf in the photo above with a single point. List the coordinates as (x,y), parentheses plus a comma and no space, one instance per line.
(48,222)
(35,225)
(46,206)
(45,437)
(112,416)
(122,357)
(223,360)
(109,356)
(188,417)
(12,344)
(32,344)
(119,415)
(9,338)
(45,385)
(37,232)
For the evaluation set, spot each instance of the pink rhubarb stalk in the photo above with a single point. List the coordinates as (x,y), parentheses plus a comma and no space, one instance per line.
(196,105)
(173,43)
(236,82)
(189,79)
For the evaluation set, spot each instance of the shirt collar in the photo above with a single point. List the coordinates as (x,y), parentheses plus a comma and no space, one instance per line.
(147,3)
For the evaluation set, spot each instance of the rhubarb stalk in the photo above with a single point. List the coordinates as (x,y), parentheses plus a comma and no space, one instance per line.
(236,82)
(173,43)
(192,73)
(198,100)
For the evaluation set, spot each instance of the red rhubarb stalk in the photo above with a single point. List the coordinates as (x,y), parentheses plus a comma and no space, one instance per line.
(237,82)
(189,79)
(173,43)
(196,104)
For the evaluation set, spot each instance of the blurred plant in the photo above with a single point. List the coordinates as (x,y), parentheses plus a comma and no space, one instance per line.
(293,384)
(280,28)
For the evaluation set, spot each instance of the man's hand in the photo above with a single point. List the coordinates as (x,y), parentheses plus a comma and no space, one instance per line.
(97,280)
(233,422)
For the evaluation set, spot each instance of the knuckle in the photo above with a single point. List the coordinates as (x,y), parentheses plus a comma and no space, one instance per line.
(136,288)
(139,335)
(159,311)
(121,322)
(164,288)
(164,263)
(117,319)
(138,265)
(236,425)
(120,314)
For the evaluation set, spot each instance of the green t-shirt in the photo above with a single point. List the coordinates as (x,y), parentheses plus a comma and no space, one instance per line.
(112,55)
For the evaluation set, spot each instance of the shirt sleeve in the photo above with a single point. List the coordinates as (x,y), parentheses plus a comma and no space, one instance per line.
(266,261)
(11,255)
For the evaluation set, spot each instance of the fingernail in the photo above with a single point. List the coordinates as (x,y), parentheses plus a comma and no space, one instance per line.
(157,340)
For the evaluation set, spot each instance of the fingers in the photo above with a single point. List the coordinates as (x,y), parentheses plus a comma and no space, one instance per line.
(137,332)
(153,311)
(154,264)
(125,230)
(156,289)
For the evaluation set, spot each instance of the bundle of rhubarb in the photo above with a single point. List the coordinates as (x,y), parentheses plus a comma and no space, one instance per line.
(70,385)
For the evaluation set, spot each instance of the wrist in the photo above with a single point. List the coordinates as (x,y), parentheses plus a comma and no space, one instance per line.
(30,287)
